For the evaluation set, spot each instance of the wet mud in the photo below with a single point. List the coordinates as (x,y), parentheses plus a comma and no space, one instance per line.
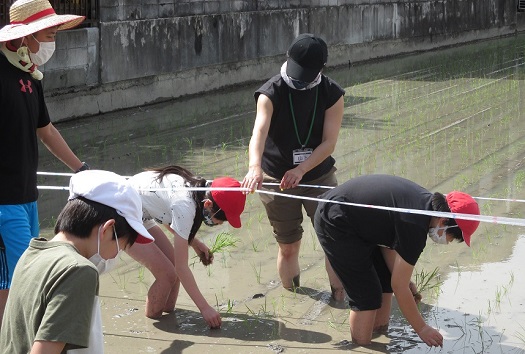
(449,119)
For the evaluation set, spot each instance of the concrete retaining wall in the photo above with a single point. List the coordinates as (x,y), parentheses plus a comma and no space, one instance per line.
(146,51)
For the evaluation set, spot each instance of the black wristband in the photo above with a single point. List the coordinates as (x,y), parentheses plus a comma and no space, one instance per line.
(84,167)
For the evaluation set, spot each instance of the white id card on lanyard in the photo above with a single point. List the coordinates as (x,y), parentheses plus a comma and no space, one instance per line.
(299,155)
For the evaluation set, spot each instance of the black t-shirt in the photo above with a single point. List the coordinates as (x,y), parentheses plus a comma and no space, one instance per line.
(22,111)
(282,137)
(404,232)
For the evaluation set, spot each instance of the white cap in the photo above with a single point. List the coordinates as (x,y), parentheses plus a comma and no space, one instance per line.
(115,191)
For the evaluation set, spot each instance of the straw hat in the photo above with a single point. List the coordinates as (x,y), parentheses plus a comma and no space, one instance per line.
(30,16)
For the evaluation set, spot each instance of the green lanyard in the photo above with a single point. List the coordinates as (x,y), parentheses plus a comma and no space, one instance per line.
(313,118)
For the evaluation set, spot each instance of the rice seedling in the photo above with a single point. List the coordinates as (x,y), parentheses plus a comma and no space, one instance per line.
(229,308)
(428,281)
(520,335)
(222,243)
(335,323)
(519,179)
(498,297)
(209,271)
(141,273)
(257,272)
(263,311)
(122,281)
(483,335)
(229,305)
(255,246)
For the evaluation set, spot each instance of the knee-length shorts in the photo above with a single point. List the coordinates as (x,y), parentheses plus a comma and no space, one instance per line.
(285,213)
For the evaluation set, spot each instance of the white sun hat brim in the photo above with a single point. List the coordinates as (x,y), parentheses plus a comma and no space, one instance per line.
(114,191)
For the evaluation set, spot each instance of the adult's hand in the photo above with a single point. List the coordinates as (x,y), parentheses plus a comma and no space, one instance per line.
(292,178)
(253,179)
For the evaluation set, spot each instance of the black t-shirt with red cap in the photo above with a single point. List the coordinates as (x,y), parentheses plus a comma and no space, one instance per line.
(404,232)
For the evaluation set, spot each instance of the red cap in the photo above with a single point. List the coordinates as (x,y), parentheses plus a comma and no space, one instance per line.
(142,240)
(231,202)
(462,203)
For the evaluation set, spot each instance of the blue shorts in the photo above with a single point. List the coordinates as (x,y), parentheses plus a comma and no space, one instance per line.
(18,225)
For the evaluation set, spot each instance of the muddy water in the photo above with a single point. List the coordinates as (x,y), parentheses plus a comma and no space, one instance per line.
(449,119)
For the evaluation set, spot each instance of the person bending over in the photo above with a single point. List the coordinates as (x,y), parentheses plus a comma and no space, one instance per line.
(182,213)
(374,251)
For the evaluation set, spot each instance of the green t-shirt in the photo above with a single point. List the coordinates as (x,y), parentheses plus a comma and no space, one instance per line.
(51,298)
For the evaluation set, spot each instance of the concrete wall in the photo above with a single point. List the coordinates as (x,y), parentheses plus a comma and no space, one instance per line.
(146,51)
(75,62)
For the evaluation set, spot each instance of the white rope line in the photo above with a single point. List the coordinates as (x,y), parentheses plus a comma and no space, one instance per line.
(55,174)
(484,218)
(264,184)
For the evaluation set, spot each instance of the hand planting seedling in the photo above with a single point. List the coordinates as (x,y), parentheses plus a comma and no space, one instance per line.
(222,242)
(425,281)
(415,292)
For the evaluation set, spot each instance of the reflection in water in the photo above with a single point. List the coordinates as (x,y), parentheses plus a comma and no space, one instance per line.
(449,119)
(480,311)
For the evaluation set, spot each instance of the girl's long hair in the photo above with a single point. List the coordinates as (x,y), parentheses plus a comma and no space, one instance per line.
(197,196)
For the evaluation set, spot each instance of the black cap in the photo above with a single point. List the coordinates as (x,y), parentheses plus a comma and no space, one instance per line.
(307,55)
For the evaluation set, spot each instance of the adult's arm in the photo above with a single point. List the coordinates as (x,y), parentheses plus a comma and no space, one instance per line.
(56,144)
(211,316)
(332,124)
(46,347)
(401,275)
(263,118)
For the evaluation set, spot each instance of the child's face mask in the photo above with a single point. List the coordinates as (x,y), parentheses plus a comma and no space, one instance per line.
(208,217)
(104,265)
(433,234)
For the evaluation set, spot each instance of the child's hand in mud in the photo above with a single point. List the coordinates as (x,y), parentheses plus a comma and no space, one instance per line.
(202,251)
(206,260)
(430,336)
(413,289)
(212,317)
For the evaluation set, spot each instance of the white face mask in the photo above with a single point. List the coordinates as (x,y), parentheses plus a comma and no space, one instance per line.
(433,234)
(104,265)
(44,53)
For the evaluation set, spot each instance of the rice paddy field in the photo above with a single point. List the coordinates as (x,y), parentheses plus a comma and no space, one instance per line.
(451,119)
